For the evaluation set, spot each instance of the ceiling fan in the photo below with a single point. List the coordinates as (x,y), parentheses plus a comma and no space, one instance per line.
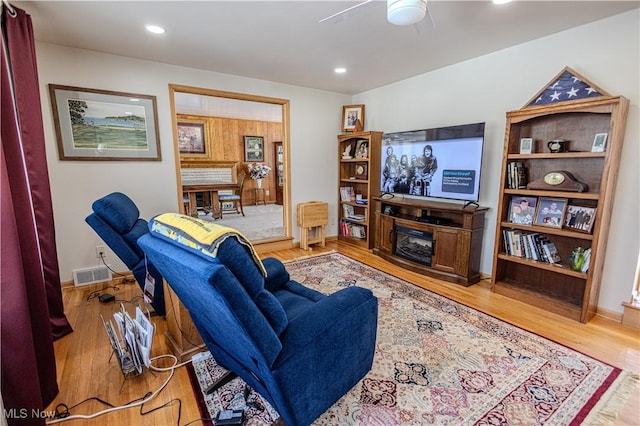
(399,12)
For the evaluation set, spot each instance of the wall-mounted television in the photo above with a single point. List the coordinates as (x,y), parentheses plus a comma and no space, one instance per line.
(443,162)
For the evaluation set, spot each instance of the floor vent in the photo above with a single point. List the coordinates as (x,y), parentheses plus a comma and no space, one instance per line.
(93,275)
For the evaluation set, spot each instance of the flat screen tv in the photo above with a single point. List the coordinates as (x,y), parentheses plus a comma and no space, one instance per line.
(444,162)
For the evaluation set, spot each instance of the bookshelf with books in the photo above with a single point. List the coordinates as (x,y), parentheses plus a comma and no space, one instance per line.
(564,205)
(359,182)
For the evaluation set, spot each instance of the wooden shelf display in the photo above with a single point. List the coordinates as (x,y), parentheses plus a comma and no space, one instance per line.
(359,181)
(524,275)
(456,234)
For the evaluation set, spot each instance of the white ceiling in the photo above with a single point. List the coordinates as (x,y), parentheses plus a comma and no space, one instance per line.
(282,41)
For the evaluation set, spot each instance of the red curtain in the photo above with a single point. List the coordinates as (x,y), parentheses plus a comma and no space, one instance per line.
(31,309)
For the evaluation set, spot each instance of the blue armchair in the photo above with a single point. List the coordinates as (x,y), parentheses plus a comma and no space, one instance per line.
(300,349)
(115,219)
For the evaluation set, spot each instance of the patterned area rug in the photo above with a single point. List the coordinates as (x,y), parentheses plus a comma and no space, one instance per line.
(441,363)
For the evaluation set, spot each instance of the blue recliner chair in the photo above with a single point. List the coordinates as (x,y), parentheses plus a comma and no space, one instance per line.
(116,220)
(300,349)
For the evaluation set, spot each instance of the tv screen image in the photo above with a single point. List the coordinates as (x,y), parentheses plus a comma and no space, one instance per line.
(443,162)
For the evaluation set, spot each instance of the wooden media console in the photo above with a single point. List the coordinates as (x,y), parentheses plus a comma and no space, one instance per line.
(442,240)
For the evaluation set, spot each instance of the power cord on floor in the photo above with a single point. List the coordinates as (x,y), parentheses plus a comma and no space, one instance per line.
(63,411)
(97,293)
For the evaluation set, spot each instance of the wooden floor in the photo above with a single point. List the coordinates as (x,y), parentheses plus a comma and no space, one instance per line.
(85,371)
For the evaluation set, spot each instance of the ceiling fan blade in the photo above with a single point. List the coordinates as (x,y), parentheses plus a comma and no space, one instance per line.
(344,11)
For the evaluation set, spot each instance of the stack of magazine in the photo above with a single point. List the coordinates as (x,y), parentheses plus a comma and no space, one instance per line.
(133,348)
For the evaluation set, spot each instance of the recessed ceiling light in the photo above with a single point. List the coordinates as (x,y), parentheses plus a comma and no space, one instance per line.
(155,29)
(340,70)
(501,1)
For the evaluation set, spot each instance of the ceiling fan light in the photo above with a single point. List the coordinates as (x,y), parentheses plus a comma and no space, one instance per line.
(406,12)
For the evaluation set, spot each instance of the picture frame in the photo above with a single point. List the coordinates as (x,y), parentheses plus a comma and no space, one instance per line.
(550,212)
(526,145)
(362,149)
(361,171)
(104,125)
(522,210)
(350,115)
(580,218)
(253,148)
(193,138)
(599,142)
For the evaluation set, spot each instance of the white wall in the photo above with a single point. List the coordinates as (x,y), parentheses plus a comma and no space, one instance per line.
(482,89)
(315,122)
(485,88)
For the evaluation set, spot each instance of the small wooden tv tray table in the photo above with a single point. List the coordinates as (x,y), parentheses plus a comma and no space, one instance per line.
(313,216)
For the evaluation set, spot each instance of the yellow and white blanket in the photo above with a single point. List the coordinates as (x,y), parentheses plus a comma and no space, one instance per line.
(200,235)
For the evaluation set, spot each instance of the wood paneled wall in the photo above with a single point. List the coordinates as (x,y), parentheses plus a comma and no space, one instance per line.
(226,143)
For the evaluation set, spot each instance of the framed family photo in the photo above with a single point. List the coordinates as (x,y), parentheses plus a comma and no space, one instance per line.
(253,148)
(350,115)
(193,140)
(550,212)
(580,218)
(103,125)
(522,210)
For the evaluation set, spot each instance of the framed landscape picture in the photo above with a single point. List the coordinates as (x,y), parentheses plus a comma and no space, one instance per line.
(253,148)
(102,125)
(522,210)
(550,212)
(580,218)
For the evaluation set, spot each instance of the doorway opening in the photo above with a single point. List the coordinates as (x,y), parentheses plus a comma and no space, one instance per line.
(218,135)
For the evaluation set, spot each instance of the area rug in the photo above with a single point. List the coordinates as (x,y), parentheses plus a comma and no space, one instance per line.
(438,362)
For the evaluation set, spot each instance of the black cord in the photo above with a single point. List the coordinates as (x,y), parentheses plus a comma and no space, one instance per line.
(63,410)
(202,419)
(166,404)
(127,280)
(95,294)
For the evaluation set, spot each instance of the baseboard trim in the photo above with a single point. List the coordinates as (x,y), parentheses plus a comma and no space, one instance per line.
(609,315)
(119,278)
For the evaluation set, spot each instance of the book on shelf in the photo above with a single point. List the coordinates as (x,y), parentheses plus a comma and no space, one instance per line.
(551,252)
(530,245)
(517,176)
(347,210)
(349,229)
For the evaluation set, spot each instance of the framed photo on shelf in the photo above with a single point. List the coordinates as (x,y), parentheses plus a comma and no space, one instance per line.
(526,145)
(550,212)
(253,148)
(362,149)
(192,138)
(522,210)
(599,142)
(350,115)
(580,218)
(102,125)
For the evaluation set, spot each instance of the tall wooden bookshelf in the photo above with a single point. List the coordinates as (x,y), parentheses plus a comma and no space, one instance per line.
(556,287)
(358,181)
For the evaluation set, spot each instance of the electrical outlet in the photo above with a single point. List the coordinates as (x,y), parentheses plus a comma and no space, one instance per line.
(101,251)
(267,192)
